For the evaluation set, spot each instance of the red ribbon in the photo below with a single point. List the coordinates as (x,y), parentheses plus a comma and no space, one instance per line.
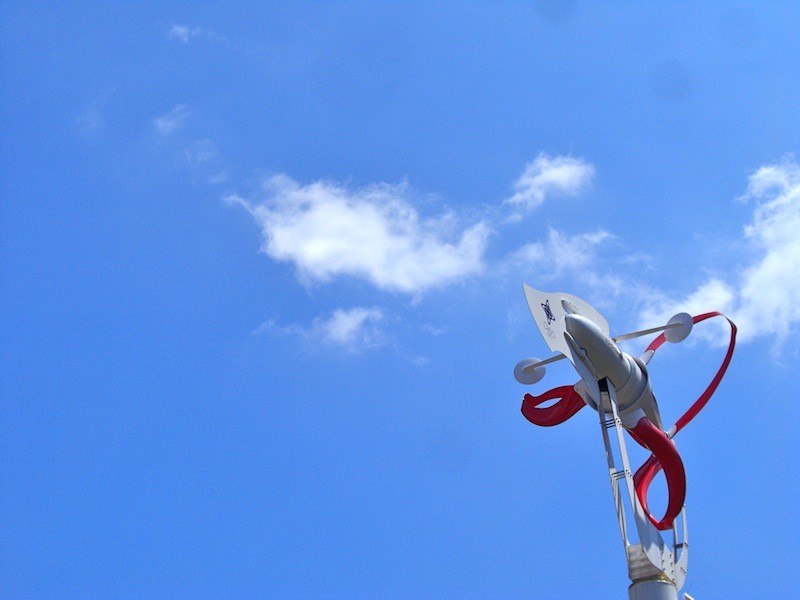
(569,404)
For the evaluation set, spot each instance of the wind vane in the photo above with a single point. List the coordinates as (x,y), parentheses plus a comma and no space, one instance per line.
(617,386)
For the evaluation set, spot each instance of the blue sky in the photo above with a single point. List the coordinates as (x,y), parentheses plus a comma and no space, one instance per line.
(261,291)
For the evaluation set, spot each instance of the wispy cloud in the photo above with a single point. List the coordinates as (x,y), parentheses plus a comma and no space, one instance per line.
(373,233)
(559,254)
(179,32)
(762,295)
(184,33)
(173,120)
(550,176)
(201,154)
(201,151)
(354,329)
(92,121)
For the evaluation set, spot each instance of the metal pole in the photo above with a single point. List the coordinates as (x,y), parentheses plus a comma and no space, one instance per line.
(653,589)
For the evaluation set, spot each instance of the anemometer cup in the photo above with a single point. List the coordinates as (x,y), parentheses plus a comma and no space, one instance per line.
(526,373)
(678,328)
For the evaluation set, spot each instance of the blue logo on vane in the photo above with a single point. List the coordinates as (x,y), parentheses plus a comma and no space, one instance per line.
(548,312)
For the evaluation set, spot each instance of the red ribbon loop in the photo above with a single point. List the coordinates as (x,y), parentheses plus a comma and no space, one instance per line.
(663,458)
(569,404)
(665,455)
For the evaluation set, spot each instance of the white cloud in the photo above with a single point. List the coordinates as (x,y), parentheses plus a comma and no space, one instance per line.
(173,120)
(713,295)
(179,32)
(356,326)
(762,297)
(184,33)
(559,254)
(354,329)
(372,233)
(550,176)
(770,286)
